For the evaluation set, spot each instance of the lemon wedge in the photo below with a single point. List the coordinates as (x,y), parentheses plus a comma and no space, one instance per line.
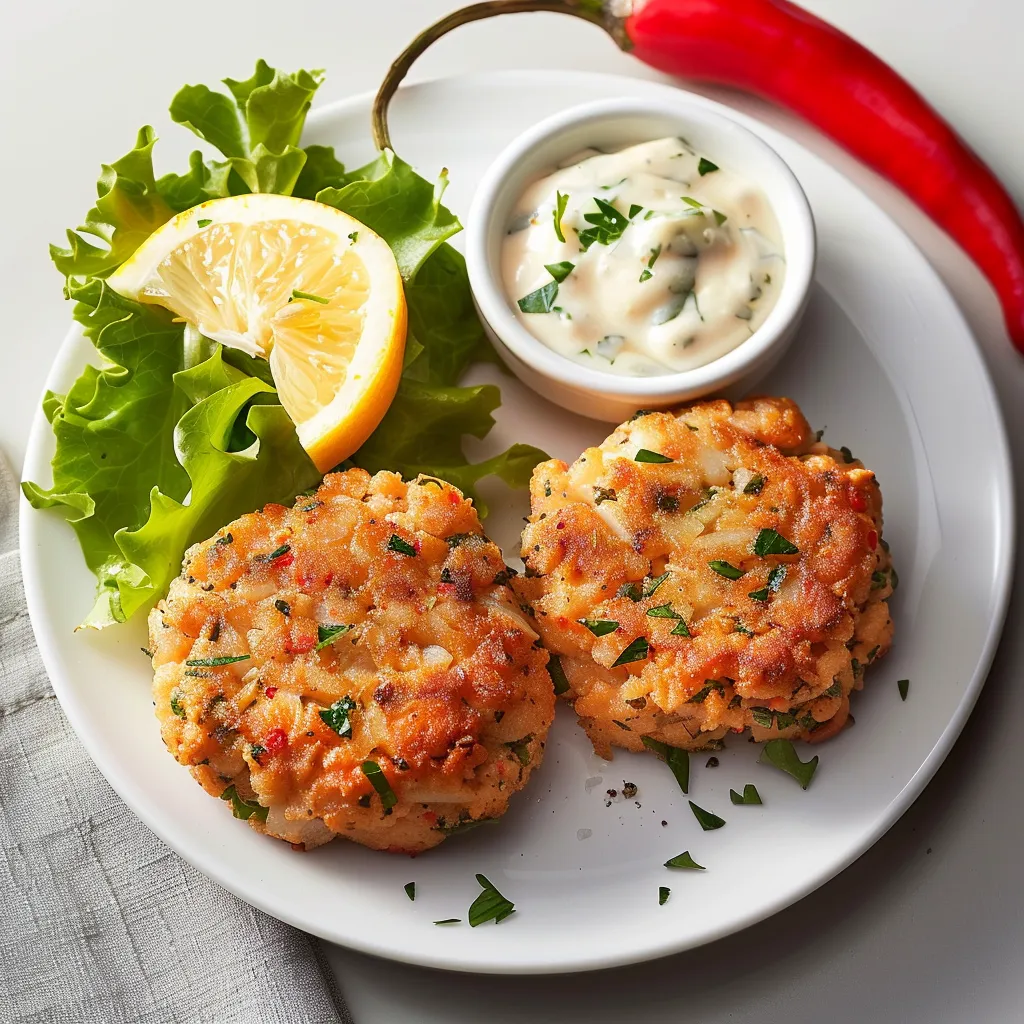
(299,283)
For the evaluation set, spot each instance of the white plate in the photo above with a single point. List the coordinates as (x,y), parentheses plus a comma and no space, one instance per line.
(886,362)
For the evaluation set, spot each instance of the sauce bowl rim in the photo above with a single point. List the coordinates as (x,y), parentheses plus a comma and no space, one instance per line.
(688,109)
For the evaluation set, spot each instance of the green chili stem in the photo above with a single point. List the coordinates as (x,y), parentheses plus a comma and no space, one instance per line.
(597,12)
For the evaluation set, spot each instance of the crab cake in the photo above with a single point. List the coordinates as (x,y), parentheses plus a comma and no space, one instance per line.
(710,569)
(356,665)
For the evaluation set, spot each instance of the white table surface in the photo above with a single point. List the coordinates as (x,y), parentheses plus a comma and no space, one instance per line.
(929,925)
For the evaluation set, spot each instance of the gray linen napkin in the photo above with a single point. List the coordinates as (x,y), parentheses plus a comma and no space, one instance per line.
(99,921)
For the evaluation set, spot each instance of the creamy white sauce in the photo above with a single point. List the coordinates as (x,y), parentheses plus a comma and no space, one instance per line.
(683,269)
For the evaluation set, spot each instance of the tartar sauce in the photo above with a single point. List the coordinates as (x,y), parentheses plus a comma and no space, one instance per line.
(647,261)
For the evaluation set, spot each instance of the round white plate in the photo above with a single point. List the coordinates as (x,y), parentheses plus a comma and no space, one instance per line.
(884,361)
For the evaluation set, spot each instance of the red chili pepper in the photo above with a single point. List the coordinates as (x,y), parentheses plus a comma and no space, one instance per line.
(872,540)
(283,561)
(777,50)
(276,740)
(857,501)
(270,691)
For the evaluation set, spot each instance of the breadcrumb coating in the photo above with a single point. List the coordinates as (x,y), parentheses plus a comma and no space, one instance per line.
(707,570)
(369,627)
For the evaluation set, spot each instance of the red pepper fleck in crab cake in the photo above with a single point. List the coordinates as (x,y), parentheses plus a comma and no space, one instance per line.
(715,568)
(356,665)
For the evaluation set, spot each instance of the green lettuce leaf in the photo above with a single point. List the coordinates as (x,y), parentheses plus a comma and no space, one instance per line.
(174,436)
(129,209)
(225,482)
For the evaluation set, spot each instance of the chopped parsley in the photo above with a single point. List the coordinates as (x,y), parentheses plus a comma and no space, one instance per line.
(663,894)
(783,755)
(403,547)
(244,809)
(663,611)
(720,218)
(739,627)
(326,635)
(680,629)
(557,673)
(705,166)
(775,578)
(560,271)
(684,860)
(645,455)
(771,542)
(226,539)
(754,485)
(648,271)
(676,758)
(632,591)
(707,494)
(380,783)
(353,237)
(410,890)
(835,690)
(309,296)
(227,659)
(521,748)
(599,627)
(726,569)
(879,579)
(451,920)
(634,209)
(692,202)
(708,821)
(608,225)
(337,716)
(204,222)
(638,650)
(764,717)
(542,300)
(702,695)
(177,707)
(279,552)
(749,795)
(652,585)
(902,684)
(561,201)
(668,503)
(256,751)
(490,905)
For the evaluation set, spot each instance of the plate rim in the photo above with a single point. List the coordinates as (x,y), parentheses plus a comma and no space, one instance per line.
(1005,545)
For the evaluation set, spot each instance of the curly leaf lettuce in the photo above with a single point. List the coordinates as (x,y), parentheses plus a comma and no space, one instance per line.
(172,436)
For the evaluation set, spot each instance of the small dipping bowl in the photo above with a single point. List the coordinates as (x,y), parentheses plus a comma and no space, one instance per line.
(610,125)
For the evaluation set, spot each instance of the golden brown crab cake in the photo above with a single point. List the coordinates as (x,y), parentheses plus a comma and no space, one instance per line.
(709,569)
(356,665)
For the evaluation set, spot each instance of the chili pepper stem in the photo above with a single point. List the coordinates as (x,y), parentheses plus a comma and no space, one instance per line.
(596,12)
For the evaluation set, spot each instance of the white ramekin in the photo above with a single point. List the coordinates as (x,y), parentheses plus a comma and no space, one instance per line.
(610,125)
